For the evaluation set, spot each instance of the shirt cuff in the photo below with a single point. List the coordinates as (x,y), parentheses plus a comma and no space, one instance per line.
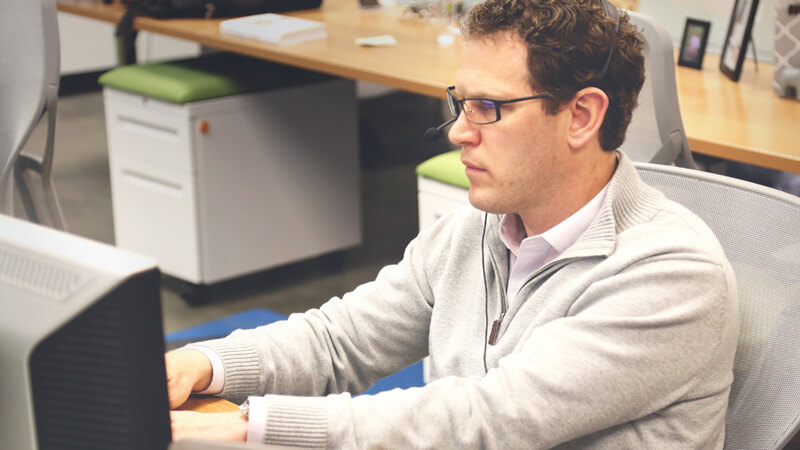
(217,370)
(257,421)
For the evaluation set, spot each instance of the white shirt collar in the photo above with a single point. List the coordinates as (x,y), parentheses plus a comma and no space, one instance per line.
(529,254)
(561,236)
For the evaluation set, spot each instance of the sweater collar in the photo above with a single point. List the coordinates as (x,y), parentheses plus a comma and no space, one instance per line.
(629,201)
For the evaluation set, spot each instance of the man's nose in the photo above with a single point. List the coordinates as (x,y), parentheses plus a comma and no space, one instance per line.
(463,132)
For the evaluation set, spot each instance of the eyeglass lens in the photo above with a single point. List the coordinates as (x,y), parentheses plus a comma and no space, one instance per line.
(478,111)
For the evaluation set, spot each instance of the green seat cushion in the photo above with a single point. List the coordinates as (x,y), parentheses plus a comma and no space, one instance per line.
(446,168)
(212,76)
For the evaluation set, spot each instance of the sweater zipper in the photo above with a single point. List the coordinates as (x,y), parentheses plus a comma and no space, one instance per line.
(495,332)
(499,321)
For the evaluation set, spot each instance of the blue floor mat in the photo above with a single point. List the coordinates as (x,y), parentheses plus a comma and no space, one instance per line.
(224,326)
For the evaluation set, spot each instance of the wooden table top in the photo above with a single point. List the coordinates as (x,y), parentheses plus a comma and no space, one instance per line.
(744,121)
(208,404)
(417,64)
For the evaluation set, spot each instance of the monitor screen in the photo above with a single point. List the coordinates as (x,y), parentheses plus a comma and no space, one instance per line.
(81,344)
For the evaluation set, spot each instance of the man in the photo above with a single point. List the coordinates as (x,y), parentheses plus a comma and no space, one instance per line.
(581,310)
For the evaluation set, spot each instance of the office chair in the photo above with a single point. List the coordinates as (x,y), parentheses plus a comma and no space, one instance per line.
(29,64)
(656,131)
(757,227)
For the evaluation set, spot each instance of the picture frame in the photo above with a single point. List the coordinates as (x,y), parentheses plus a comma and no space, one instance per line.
(737,38)
(693,43)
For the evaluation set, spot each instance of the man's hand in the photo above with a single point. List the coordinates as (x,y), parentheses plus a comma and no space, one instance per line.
(226,426)
(187,370)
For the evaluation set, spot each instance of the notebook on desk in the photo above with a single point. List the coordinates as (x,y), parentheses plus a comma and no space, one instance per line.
(274,29)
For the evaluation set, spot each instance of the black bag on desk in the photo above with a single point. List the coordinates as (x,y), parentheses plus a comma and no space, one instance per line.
(166,9)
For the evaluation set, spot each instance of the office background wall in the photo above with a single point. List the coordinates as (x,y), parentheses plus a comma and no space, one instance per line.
(673,14)
(88,45)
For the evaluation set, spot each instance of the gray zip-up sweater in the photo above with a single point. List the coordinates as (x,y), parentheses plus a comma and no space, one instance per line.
(624,341)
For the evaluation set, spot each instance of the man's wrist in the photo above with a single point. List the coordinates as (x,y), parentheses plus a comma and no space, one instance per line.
(212,377)
(233,428)
(203,369)
(244,409)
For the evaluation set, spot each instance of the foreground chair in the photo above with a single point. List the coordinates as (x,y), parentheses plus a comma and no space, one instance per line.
(757,227)
(29,64)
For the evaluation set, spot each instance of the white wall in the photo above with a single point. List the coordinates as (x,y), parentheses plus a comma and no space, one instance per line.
(673,14)
(89,45)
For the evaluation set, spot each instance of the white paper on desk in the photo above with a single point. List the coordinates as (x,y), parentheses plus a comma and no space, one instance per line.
(274,29)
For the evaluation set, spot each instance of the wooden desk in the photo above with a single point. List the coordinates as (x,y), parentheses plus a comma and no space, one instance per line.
(743,121)
(416,65)
(208,404)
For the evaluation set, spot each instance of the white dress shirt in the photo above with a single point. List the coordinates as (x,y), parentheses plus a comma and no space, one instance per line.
(529,254)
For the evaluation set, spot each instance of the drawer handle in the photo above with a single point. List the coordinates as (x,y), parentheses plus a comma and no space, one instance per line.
(147,128)
(150,182)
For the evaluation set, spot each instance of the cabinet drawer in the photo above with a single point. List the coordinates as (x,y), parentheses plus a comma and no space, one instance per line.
(433,206)
(148,130)
(155,212)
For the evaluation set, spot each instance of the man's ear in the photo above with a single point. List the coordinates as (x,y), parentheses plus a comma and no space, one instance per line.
(587,111)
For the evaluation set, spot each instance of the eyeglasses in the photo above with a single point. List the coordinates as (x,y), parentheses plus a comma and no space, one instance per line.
(480,110)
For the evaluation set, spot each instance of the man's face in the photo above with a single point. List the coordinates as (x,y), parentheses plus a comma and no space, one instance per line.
(515,165)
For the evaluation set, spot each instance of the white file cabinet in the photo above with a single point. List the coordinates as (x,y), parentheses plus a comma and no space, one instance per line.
(442,186)
(219,188)
(436,199)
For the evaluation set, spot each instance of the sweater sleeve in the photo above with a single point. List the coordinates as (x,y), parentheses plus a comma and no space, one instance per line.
(346,345)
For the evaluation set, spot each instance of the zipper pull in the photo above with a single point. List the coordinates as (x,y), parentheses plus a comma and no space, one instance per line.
(495,328)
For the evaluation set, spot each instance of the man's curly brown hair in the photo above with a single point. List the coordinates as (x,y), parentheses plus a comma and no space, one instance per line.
(568,43)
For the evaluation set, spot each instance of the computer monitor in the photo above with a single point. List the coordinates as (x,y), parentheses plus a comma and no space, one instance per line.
(81,344)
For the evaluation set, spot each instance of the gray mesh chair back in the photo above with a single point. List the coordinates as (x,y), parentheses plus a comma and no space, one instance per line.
(656,132)
(29,75)
(758,229)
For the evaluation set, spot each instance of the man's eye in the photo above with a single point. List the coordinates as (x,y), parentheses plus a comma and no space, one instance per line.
(484,105)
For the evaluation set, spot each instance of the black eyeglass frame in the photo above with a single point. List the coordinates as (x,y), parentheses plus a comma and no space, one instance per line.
(457,104)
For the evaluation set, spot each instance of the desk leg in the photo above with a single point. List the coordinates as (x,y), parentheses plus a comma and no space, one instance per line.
(126,47)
